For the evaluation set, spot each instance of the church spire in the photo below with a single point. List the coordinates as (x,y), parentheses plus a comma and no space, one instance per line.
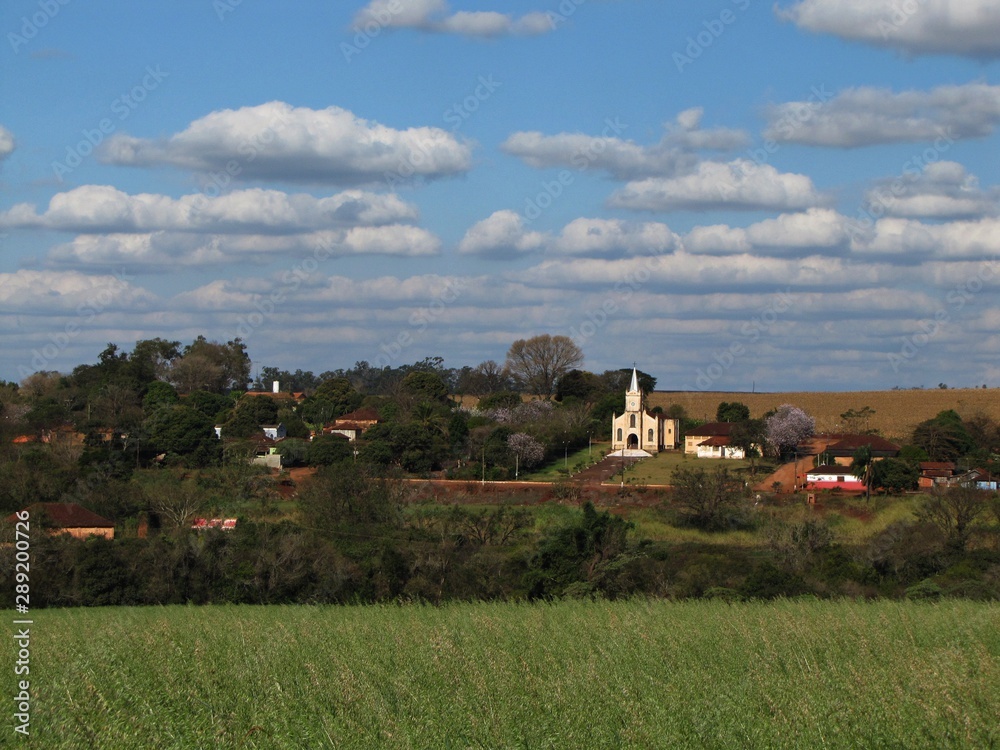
(634,385)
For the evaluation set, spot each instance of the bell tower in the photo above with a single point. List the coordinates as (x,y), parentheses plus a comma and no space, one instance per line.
(634,396)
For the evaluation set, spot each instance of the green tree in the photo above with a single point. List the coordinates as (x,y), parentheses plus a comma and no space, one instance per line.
(211,366)
(944,437)
(348,493)
(326,450)
(184,431)
(581,385)
(749,436)
(732,412)
(894,475)
(861,467)
(426,386)
(708,500)
(578,557)
(159,393)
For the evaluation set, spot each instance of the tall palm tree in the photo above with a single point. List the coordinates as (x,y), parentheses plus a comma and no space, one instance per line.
(861,467)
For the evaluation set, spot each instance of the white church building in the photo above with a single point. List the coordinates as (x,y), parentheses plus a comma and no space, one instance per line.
(639,430)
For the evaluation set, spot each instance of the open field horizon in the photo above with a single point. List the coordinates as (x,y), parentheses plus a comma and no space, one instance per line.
(897,412)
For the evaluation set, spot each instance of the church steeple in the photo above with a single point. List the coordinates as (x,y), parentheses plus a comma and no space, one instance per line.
(633,396)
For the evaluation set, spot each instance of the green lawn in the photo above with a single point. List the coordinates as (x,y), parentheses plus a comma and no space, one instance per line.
(660,468)
(641,674)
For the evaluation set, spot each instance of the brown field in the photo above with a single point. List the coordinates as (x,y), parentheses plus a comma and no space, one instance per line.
(896,412)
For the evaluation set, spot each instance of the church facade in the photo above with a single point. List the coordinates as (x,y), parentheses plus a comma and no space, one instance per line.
(638,429)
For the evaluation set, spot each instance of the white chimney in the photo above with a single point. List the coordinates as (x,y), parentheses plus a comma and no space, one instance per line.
(275,387)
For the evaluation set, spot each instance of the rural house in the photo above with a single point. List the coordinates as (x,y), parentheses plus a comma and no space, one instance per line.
(69,518)
(352,424)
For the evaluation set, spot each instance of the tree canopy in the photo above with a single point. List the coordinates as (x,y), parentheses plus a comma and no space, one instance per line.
(542,360)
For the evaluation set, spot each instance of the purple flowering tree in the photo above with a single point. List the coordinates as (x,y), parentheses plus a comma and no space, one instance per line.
(788,427)
(529,452)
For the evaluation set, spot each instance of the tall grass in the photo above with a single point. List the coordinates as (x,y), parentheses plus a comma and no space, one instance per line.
(569,675)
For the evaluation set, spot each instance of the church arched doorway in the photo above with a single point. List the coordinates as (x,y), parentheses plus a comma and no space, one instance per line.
(633,441)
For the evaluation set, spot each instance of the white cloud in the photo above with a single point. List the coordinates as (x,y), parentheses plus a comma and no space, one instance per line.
(806,233)
(612,237)
(101,208)
(674,154)
(684,271)
(920,27)
(167,250)
(740,184)
(52,292)
(276,141)
(866,116)
(960,240)
(501,235)
(7,144)
(433,16)
(944,190)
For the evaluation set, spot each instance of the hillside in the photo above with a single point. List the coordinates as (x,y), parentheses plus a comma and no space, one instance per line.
(896,412)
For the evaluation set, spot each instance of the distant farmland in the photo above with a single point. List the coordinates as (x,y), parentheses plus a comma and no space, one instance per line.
(896,412)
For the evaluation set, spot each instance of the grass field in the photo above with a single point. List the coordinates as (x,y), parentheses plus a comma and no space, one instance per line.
(793,674)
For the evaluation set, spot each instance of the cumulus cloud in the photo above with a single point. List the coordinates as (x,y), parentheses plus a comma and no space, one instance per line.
(6,143)
(166,250)
(817,230)
(101,208)
(621,158)
(64,292)
(434,16)
(918,241)
(957,27)
(613,238)
(944,190)
(276,141)
(501,235)
(683,271)
(739,184)
(866,116)
(504,235)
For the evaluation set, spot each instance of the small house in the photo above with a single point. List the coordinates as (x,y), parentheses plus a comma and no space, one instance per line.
(68,518)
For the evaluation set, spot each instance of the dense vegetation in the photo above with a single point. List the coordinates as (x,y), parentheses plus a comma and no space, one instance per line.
(636,674)
(358,531)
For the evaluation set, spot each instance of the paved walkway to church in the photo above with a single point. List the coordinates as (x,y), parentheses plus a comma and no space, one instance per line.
(602,471)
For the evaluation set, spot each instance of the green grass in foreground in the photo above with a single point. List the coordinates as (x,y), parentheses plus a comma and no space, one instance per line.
(570,675)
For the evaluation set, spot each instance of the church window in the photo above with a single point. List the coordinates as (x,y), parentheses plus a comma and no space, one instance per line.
(650,438)
(631,420)
(619,434)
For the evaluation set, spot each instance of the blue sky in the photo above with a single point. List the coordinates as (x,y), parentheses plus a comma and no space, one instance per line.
(732,194)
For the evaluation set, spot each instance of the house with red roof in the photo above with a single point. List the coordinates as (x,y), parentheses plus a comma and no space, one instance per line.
(68,518)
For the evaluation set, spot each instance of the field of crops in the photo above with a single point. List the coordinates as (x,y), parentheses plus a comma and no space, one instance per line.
(896,412)
(569,675)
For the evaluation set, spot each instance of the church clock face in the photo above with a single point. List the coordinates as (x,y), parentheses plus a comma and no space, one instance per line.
(631,404)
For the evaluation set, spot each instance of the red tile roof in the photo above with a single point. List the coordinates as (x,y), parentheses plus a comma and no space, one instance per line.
(359,415)
(850,443)
(715,441)
(711,429)
(67,516)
